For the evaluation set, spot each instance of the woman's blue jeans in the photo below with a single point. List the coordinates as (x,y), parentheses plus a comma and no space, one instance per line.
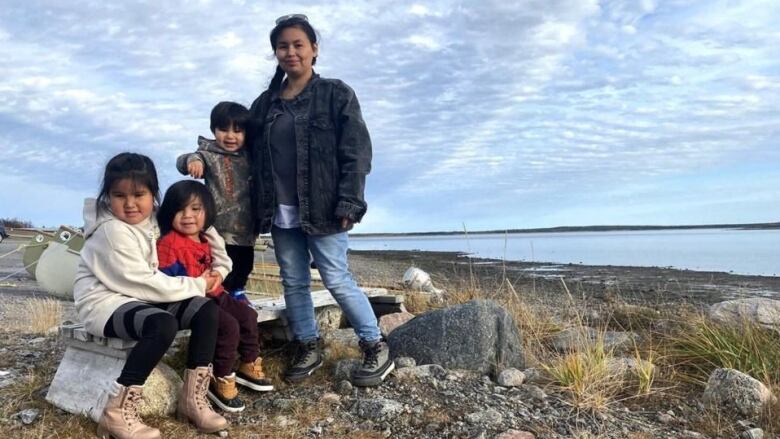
(292,248)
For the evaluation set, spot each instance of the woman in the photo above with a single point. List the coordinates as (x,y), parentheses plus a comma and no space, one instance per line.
(312,152)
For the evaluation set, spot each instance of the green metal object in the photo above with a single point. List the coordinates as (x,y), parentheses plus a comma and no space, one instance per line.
(33,250)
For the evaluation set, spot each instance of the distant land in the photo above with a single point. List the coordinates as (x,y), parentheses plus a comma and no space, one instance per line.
(568,229)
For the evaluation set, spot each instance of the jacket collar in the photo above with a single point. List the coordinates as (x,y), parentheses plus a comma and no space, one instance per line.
(211,145)
(304,94)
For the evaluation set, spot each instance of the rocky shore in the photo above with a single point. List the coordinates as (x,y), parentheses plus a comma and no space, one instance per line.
(489,379)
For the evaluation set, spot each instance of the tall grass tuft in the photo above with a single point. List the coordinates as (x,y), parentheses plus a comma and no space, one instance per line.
(586,374)
(701,345)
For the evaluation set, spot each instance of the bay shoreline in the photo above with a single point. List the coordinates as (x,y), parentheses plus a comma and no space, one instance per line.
(656,285)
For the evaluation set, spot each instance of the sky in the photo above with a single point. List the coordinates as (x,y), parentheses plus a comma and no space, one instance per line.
(484,114)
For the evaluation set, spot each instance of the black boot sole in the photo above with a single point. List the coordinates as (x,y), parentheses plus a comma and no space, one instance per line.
(298,377)
(373,380)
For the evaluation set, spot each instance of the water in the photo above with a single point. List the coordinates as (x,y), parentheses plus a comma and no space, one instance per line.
(750,252)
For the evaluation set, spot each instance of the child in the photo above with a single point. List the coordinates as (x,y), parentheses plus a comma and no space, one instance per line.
(224,164)
(119,292)
(187,210)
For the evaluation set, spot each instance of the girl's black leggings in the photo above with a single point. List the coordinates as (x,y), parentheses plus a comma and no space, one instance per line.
(154,326)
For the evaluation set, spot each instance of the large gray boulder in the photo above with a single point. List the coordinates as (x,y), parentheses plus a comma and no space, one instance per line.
(736,393)
(756,310)
(479,335)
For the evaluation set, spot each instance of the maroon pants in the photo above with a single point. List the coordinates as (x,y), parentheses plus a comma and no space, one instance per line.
(236,332)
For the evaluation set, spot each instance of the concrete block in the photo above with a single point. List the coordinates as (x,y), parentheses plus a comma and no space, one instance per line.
(83,378)
(81,334)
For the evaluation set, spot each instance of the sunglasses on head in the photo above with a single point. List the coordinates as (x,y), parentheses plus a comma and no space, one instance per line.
(292,17)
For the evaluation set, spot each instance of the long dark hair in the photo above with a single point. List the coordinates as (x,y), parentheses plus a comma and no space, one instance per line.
(128,165)
(301,24)
(178,196)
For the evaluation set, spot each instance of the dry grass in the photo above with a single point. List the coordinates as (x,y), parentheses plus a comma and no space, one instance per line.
(33,316)
(700,345)
(586,375)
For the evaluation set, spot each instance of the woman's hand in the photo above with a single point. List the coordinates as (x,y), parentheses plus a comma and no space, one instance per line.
(346,223)
(195,169)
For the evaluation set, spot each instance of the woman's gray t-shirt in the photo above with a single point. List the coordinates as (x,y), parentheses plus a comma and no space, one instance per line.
(284,162)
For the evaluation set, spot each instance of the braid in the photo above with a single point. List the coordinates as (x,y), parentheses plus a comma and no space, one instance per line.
(276,82)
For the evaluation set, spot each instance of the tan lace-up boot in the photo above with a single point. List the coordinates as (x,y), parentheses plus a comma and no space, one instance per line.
(251,375)
(193,405)
(120,418)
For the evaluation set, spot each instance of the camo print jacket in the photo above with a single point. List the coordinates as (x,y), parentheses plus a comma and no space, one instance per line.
(228,176)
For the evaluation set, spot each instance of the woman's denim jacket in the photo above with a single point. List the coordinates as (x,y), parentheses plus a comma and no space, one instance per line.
(333,156)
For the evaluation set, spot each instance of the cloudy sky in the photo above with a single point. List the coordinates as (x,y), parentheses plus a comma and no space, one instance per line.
(484,114)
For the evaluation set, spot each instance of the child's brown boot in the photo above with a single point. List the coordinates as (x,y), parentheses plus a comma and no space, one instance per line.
(223,393)
(251,375)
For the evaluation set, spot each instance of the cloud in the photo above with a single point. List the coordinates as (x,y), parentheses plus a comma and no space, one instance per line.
(491,112)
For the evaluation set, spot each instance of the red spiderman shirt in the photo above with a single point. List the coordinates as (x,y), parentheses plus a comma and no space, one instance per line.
(181,256)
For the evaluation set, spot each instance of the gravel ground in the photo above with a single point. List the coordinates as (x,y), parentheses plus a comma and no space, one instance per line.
(454,404)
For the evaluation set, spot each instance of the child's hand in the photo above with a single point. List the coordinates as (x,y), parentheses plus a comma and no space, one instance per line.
(218,280)
(212,281)
(195,169)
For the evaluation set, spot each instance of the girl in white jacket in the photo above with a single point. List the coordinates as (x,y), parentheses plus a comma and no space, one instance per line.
(119,292)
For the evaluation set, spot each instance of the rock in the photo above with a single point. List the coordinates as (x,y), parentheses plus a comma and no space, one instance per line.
(736,393)
(758,310)
(329,318)
(510,378)
(330,398)
(388,322)
(535,392)
(486,418)
(627,366)
(402,362)
(378,408)
(665,418)
(27,416)
(534,375)
(688,434)
(283,403)
(6,378)
(343,369)
(516,434)
(572,339)
(344,387)
(478,335)
(341,337)
(424,371)
(161,392)
(418,280)
(753,433)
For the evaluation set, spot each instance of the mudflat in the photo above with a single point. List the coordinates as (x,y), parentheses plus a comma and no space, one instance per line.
(656,285)
(385,268)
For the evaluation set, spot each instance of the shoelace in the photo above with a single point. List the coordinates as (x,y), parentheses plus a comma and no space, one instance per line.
(201,388)
(131,410)
(257,369)
(372,355)
(303,352)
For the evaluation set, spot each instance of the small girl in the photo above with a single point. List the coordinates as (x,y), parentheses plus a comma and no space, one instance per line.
(119,292)
(186,211)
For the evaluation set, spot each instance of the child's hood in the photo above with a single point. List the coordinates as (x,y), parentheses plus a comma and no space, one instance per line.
(210,145)
(94,217)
